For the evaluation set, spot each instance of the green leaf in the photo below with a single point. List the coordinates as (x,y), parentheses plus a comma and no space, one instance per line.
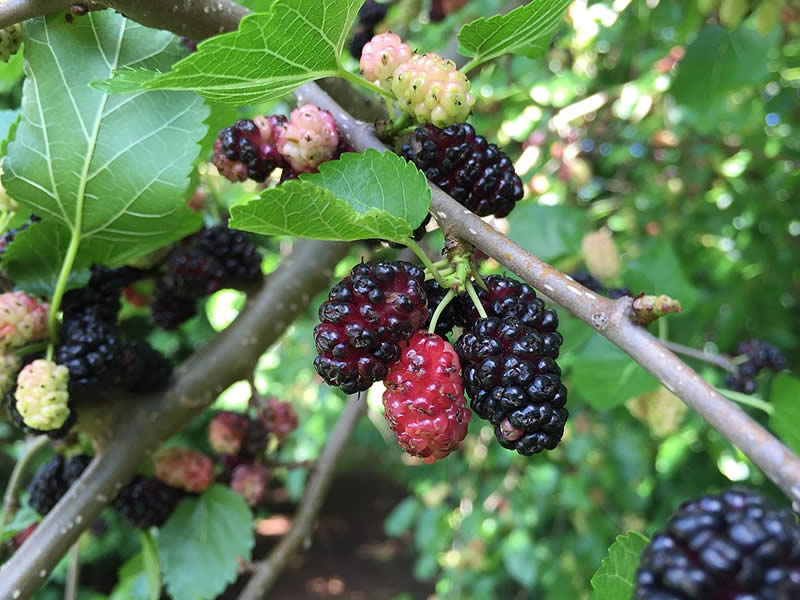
(360,196)
(657,270)
(23,518)
(113,169)
(784,394)
(608,376)
(202,542)
(614,580)
(152,567)
(270,55)
(401,518)
(132,581)
(549,232)
(720,61)
(519,557)
(526,30)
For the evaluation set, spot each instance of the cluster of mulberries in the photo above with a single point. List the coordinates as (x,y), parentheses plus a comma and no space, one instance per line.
(200,265)
(370,15)
(253,149)
(733,545)
(428,87)
(53,480)
(370,330)
(241,440)
(760,355)
(465,165)
(590,282)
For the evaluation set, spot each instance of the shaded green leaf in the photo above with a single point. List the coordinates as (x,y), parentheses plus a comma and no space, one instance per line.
(270,55)
(783,396)
(525,30)
(202,542)
(360,196)
(614,580)
(607,375)
(401,518)
(720,61)
(549,232)
(519,558)
(113,169)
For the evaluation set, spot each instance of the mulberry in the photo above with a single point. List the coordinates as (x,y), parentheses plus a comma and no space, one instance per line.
(147,502)
(424,399)
(42,398)
(142,369)
(248,149)
(474,172)
(89,348)
(513,381)
(432,90)
(382,56)
(367,314)
(53,479)
(185,468)
(729,546)
(23,320)
(250,481)
(10,41)
(308,139)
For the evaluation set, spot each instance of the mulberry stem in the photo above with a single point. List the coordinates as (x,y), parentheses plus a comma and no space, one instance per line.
(753,401)
(475,300)
(425,260)
(439,309)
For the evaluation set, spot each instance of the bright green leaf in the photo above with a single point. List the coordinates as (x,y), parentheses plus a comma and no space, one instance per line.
(202,543)
(720,61)
(23,518)
(549,232)
(526,30)
(270,55)
(152,568)
(112,168)
(519,557)
(607,375)
(360,196)
(657,270)
(614,580)
(783,396)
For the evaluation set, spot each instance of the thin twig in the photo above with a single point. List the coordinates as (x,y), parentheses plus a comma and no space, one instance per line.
(291,464)
(717,360)
(266,572)
(32,447)
(73,574)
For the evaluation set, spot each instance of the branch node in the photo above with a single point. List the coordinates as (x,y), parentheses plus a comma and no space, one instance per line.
(647,309)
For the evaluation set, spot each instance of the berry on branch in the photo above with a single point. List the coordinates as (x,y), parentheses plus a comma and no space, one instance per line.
(728,546)
(147,502)
(474,172)
(89,348)
(424,400)
(142,368)
(250,482)
(42,397)
(366,316)
(10,41)
(513,380)
(381,57)
(23,320)
(227,432)
(432,90)
(53,479)
(185,468)
(248,149)
(280,418)
(308,139)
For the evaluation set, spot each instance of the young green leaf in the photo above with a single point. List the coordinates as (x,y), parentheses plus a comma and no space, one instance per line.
(152,568)
(614,580)
(109,171)
(783,396)
(202,543)
(526,31)
(270,55)
(360,196)
(132,581)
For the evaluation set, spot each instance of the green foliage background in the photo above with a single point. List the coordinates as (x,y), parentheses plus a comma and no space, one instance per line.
(690,157)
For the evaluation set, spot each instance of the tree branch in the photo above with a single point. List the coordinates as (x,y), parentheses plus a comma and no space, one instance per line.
(611,318)
(266,572)
(718,360)
(143,422)
(10,503)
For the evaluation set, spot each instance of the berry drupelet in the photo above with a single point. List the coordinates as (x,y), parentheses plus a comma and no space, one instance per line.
(510,374)
(424,400)
(465,165)
(366,316)
(147,502)
(728,546)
